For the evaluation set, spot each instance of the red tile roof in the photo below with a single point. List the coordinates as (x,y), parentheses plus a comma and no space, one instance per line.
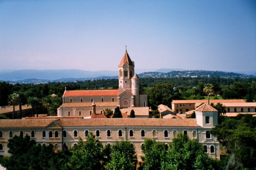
(211,101)
(126,59)
(71,93)
(206,108)
(98,116)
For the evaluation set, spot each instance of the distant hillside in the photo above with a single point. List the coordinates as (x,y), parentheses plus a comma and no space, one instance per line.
(194,73)
(52,74)
(43,77)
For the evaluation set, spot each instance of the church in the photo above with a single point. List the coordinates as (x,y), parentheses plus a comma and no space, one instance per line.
(85,103)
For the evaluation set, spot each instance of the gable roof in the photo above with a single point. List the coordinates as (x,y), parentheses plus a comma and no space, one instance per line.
(126,59)
(88,104)
(211,101)
(25,123)
(143,122)
(206,108)
(71,93)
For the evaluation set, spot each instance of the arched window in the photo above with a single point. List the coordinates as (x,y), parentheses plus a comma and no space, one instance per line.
(1,147)
(144,104)
(75,133)
(185,132)
(125,73)
(32,134)
(154,133)
(242,109)
(131,133)
(70,100)
(64,134)
(212,149)
(113,99)
(174,133)
(102,100)
(68,113)
(248,109)
(108,133)
(228,110)
(234,109)
(208,134)
(91,99)
(56,146)
(43,134)
(1,135)
(205,148)
(50,134)
(56,134)
(90,112)
(131,74)
(120,133)
(166,134)
(142,133)
(21,134)
(81,100)
(120,73)
(97,133)
(194,134)
(79,113)
(86,133)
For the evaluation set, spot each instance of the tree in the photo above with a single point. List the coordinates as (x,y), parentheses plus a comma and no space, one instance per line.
(184,153)
(154,154)
(117,113)
(108,112)
(161,94)
(239,137)
(34,102)
(22,100)
(5,91)
(122,156)
(132,114)
(86,154)
(13,100)
(208,89)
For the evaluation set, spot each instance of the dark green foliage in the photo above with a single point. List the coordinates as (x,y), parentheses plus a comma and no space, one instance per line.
(108,112)
(132,114)
(122,157)
(182,153)
(3,117)
(161,94)
(86,154)
(25,154)
(52,104)
(117,113)
(155,114)
(239,136)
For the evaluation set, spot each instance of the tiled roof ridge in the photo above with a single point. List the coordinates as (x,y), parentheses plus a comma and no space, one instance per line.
(126,59)
(206,108)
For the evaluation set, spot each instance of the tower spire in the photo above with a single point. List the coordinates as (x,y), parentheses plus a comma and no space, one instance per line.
(125,47)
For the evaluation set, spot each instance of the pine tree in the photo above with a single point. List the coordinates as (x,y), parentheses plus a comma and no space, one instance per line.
(117,113)
(132,114)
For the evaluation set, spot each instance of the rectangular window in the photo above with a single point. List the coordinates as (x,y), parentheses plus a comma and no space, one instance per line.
(207,119)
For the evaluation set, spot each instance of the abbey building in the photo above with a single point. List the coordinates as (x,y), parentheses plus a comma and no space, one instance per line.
(84,103)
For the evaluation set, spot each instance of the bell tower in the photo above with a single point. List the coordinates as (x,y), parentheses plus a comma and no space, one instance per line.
(125,71)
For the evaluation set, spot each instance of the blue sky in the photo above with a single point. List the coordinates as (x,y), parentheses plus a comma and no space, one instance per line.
(91,35)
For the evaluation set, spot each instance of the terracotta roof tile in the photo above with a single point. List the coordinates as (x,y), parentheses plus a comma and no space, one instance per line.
(128,122)
(88,104)
(25,123)
(98,116)
(206,108)
(71,93)
(126,59)
(211,101)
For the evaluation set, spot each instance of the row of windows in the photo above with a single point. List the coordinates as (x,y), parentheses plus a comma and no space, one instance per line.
(206,149)
(81,100)
(131,132)
(80,112)
(120,133)
(243,110)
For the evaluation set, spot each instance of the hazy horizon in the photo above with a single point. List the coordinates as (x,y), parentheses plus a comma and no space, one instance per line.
(92,35)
